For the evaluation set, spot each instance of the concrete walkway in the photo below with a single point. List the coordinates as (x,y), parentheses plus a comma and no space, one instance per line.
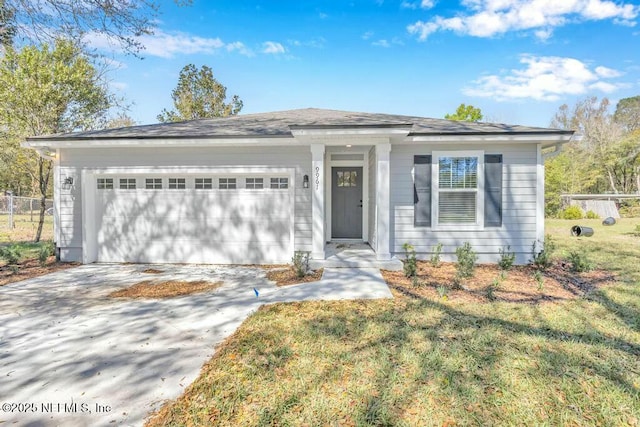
(69,355)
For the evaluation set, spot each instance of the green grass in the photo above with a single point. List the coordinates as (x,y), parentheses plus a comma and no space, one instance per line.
(25,228)
(413,361)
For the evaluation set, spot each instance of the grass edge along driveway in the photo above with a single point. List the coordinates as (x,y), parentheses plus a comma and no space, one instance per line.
(419,361)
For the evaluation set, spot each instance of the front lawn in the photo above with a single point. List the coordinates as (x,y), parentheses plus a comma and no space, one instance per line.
(423,360)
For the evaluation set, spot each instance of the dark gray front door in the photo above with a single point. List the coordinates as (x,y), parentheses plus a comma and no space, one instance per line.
(346,203)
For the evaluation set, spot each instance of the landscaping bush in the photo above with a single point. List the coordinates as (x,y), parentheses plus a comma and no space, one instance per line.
(572,212)
(579,262)
(11,254)
(46,250)
(507,259)
(300,263)
(592,215)
(410,263)
(542,259)
(466,262)
(435,255)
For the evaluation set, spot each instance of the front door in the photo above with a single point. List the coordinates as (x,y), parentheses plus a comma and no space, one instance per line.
(346,203)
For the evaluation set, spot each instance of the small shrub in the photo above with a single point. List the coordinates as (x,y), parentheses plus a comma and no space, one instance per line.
(591,215)
(542,259)
(435,255)
(443,292)
(14,268)
(507,259)
(11,254)
(579,262)
(492,288)
(415,281)
(300,263)
(537,276)
(572,212)
(466,262)
(411,263)
(46,250)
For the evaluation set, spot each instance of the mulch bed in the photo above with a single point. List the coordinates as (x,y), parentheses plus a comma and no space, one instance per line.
(559,283)
(167,289)
(32,268)
(284,276)
(152,271)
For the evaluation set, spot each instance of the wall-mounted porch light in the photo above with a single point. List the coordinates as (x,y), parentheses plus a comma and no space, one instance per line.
(305,181)
(67,183)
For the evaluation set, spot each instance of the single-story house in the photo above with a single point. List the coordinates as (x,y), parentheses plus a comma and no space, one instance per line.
(255,188)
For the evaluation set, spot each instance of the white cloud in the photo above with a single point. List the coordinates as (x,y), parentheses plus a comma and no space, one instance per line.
(167,45)
(274,48)
(424,4)
(367,35)
(323,15)
(381,43)
(387,43)
(240,47)
(317,43)
(489,18)
(545,79)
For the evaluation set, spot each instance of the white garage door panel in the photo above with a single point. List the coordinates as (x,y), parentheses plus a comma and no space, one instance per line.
(194,226)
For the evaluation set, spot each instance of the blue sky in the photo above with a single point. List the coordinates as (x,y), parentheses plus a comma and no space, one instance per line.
(517,60)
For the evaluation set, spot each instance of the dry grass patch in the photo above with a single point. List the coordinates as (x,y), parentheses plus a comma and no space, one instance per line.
(31,268)
(167,289)
(287,276)
(517,285)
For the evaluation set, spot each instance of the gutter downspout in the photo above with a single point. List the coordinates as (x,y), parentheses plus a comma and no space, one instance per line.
(558,147)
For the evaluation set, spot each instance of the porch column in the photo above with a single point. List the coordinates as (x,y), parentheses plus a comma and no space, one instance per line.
(316,183)
(382,201)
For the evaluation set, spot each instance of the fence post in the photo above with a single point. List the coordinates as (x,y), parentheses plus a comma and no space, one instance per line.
(31,210)
(11,224)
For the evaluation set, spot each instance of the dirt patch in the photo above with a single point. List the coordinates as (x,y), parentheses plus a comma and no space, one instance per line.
(167,289)
(518,285)
(152,271)
(32,268)
(287,276)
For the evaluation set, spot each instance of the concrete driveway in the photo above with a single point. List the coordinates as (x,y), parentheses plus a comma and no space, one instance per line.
(71,356)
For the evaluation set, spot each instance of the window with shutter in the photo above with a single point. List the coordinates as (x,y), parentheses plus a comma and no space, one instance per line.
(458,196)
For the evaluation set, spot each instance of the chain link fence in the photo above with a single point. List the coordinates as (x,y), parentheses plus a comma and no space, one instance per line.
(14,209)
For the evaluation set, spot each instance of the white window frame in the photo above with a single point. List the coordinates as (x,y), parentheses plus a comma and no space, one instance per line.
(153,188)
(254,183)
(435,199)
(125,183)
(206,184)
(281,183)
(178,183)
(227,183)
(104,184)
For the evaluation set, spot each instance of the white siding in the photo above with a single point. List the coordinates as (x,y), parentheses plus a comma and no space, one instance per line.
(519,198)
(73,161)
(372,197)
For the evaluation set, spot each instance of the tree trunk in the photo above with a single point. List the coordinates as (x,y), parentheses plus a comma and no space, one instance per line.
(44,173)
(612,182)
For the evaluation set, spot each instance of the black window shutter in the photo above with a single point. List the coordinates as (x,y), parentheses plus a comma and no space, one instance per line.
(422,191)
(493,190)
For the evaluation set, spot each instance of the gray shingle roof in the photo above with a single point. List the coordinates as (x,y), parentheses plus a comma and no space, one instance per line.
(280,124)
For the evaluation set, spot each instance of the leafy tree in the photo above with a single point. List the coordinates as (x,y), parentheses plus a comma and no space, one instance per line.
(465,113)
(46,91)
(7,28)
(120,121)
(628,113)
(593,156)
(121,21)
(199,95)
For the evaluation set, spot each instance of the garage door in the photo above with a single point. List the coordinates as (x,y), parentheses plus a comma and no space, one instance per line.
(194,219)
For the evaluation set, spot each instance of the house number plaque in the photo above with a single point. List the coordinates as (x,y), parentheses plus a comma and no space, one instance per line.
(317,177)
